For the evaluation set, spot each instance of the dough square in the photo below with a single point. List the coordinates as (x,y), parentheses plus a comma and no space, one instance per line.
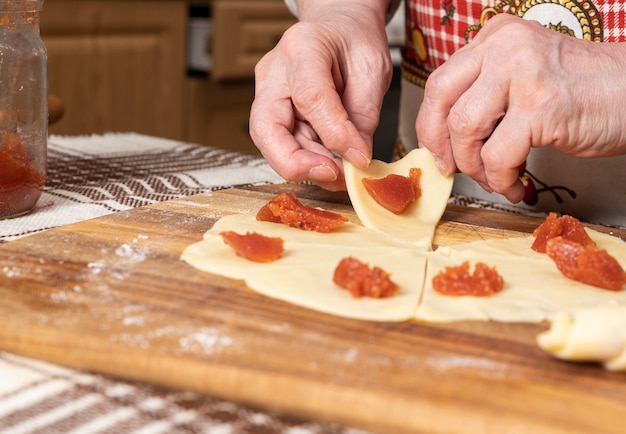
(304,274)
(534,289)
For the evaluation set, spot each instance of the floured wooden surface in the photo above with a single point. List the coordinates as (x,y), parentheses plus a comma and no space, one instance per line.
(111,295)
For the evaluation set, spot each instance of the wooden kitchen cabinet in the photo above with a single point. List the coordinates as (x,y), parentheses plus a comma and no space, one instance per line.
(219,113)
(244,30)
(219,104)
(120,66)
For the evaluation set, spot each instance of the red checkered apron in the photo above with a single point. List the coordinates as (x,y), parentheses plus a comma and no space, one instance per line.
(437,28)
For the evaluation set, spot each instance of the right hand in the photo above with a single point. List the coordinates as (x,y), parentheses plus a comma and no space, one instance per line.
(482,115)
(319,92)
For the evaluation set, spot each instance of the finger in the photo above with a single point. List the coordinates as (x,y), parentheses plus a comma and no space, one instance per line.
(443,88)
(472,120)
(507,148)
(289,146)
(338,184)
(363,95)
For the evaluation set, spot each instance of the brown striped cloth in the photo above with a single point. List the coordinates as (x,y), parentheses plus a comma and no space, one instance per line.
(93,176)
(38,397)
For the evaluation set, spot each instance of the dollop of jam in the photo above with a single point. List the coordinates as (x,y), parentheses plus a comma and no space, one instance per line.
(458,280)
(362,280)
(254,246)
(285,208)
(395,192)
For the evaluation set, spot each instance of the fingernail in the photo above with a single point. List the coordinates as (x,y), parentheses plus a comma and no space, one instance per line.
(357,158)
(322,173)
(441,166)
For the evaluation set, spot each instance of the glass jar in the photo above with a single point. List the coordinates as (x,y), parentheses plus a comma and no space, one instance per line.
(23,107)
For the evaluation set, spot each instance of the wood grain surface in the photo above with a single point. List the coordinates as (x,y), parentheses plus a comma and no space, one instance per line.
(111,295)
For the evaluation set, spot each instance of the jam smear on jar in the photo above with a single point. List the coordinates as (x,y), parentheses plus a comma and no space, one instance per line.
(21,183)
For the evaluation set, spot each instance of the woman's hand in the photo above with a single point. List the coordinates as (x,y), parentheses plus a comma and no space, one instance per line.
(516,86)
(319,91)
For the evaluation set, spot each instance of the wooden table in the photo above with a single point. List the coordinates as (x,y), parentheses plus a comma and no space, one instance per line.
(111,295)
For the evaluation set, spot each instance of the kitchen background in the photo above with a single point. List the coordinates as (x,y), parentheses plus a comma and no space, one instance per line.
(180,69)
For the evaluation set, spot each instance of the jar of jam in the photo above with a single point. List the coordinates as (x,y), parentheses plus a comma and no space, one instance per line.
(23,107)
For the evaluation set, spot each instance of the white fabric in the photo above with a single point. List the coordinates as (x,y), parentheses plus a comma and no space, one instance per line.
(71,202)
(39,397)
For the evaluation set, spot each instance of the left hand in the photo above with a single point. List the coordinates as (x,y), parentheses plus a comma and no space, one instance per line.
(516,86)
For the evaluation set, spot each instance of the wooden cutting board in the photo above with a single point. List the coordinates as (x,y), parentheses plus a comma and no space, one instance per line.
(111,295)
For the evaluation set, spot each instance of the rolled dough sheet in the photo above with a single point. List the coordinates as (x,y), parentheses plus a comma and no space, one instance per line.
(401,244)
(534,289)
(303,276)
